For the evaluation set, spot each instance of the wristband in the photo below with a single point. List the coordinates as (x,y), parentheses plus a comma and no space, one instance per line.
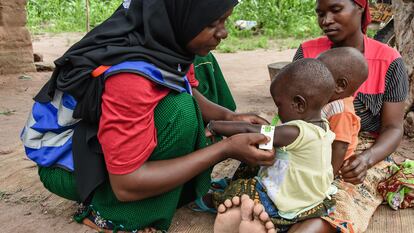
(210,129)
(269,131)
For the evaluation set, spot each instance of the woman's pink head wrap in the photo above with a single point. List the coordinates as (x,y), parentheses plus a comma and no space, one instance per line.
(366,17)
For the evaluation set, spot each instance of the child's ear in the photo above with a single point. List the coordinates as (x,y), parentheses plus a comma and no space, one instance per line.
(300,103)
(341,85)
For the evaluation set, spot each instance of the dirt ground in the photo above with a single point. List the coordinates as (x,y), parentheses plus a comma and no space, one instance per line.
(25,206)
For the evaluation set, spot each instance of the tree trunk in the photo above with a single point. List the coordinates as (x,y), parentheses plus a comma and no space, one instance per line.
(404,30)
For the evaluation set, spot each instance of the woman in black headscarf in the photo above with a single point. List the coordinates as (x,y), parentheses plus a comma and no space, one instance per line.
(117,127)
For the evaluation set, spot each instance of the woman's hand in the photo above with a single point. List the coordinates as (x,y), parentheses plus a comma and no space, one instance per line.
(355,168)
(243,147)
(248,117)
(392,115)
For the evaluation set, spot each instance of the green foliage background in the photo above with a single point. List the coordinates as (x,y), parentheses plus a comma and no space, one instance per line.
(279,19)
(67,15)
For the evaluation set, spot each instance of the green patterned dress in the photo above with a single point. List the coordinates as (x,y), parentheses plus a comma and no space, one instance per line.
(181,130)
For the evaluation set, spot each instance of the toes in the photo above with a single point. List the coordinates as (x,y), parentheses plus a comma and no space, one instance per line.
(257,210)
(228,203)
(235,200)
(264,217)
(247,206)
(146,230)
(272,231)
(244,197)
(260,213)
(269,225)
(222,208)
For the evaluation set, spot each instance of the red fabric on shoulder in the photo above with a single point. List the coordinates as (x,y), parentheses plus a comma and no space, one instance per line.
(191,77)
(379,57)
(127,131)
(312,48)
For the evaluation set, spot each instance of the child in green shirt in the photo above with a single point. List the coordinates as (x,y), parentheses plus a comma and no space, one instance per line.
(299,184)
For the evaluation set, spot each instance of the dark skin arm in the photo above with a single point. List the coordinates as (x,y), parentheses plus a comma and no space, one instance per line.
(338,154)
(157,177)
(284,135)
(392,116)
(212,111)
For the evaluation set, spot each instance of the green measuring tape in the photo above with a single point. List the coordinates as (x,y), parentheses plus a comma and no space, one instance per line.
(275,120)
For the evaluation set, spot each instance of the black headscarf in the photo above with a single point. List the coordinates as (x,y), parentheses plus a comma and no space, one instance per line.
(156,31)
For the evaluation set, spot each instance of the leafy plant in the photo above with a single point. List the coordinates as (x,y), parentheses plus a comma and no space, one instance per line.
(276,19)
(67,15)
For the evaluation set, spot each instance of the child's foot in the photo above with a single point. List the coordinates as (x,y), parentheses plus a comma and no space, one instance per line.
(254,218)
(228,217)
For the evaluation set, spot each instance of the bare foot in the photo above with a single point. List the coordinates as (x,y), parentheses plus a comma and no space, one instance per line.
(254,218)
(228,216)
(148,230)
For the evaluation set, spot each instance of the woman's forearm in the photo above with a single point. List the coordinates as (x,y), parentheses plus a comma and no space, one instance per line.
(157,177)
(385,145)
(392,116)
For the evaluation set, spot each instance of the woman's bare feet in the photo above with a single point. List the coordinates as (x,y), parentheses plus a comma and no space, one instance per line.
(249,217)
(228,216)
(254,218)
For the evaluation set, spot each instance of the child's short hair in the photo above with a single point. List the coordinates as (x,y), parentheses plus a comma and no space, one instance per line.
(307,77)
(348,63)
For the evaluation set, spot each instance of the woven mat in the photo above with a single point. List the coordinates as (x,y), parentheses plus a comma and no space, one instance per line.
(384,220)
(189,221)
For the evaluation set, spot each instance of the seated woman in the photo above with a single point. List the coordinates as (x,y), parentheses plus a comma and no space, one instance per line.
(379,102)
(117,128)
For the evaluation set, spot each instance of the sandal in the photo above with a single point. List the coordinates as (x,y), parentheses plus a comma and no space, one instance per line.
(199,206)
(219,184)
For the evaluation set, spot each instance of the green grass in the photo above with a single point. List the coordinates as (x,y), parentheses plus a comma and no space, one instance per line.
(281,21)
(67,15)
(233,44)
(279,18)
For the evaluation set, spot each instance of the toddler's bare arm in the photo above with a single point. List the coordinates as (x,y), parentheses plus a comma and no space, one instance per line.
(339,149)
(283,136)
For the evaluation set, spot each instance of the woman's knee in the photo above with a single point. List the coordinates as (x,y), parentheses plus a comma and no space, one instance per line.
(314,225)
(59,182)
